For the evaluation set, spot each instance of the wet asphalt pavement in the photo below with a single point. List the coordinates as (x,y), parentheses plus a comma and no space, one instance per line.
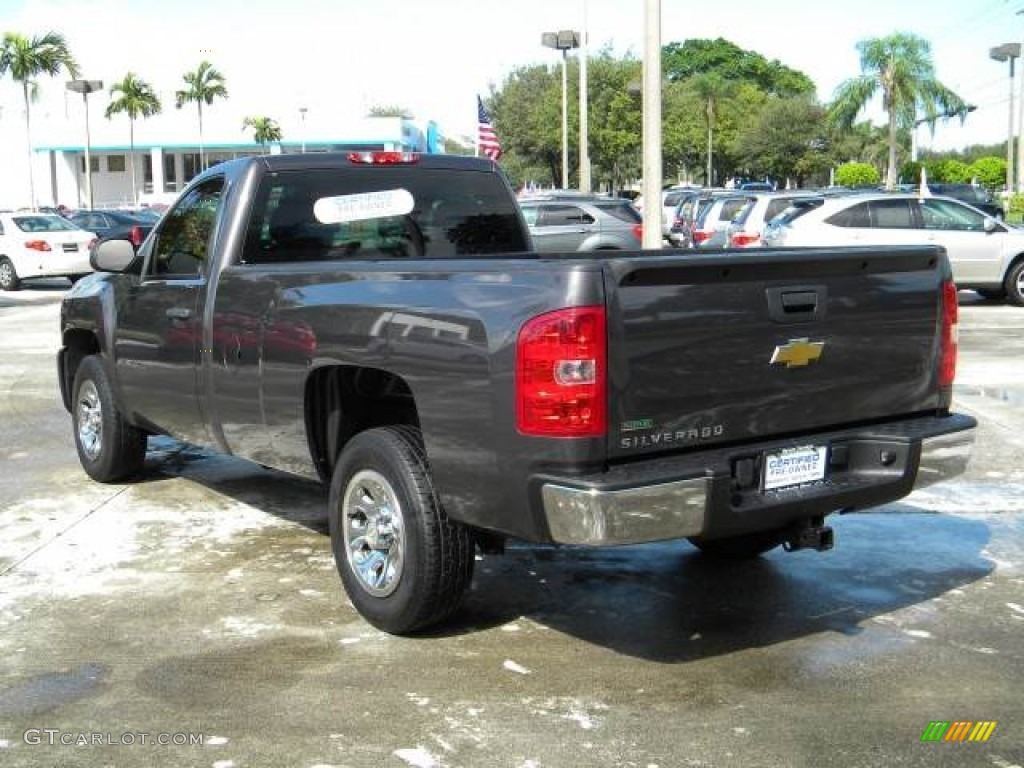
(201,603)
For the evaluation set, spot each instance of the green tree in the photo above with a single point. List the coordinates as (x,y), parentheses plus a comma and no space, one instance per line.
(203,86)
(527,116)
(989,171)
(857,175)
(264,130)
(712,89)
(900,68)
(681,61)
(135,98)
(25,59)
(786,139)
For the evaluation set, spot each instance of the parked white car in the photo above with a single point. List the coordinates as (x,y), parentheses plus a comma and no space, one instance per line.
(41,245)
(986,255)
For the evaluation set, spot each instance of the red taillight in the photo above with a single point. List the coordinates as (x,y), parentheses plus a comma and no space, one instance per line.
(37,245)
(744,239)
(383,158)
(136,236)
(638,230)
(950,335)
(560,374)
(700,235)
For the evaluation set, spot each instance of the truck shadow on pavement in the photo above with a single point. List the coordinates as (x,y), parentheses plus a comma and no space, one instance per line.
(666,602)
(669,603)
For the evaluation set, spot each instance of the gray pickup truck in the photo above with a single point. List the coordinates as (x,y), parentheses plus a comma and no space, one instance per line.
(379,321)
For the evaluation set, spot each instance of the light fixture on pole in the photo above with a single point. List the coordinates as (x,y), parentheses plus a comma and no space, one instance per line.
(563,40)
(85,87)
(302,112)
(961,113)
(1008,52)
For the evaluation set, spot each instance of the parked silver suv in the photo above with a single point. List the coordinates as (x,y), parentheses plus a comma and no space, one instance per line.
(594,224)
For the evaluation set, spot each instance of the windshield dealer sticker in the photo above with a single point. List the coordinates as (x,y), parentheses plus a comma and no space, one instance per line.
(366,205)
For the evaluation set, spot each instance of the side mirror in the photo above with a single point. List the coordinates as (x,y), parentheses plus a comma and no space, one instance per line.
(990,225)
(112,256)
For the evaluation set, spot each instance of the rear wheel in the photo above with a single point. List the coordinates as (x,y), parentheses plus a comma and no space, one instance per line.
(403,563)
(109,448)
(1014,284)
(743,547)
(9,280)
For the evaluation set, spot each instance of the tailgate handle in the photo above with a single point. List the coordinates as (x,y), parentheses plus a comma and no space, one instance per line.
(797,304)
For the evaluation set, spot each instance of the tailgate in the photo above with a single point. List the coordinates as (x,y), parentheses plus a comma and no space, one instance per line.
(709,349)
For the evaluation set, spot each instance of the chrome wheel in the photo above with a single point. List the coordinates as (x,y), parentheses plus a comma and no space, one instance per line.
(90,420)
(7,276)
(374,532)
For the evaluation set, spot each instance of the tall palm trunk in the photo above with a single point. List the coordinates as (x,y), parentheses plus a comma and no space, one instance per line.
(28,137)
(202,155)
(131,160)
(890,177)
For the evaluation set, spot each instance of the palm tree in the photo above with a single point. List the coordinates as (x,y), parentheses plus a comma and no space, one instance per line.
(711,88)
(27,58)
(264,129)
(900,67)
(204,85)
(135,98)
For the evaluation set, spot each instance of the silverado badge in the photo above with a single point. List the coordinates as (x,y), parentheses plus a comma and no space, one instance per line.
(796,353)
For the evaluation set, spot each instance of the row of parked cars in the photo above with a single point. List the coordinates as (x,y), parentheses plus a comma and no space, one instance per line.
(986,253)
(46,244)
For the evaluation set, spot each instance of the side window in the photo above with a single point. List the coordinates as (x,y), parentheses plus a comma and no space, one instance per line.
(943,214)
(530,215)
(182,242)
(562,216)
(854,216)
(730,208)
(775,207)
(892,214)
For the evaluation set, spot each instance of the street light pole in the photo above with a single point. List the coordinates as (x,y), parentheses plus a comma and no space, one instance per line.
(585,182)
(85,87)
(1008,52)
(564,41)
(652,124)
(302,112)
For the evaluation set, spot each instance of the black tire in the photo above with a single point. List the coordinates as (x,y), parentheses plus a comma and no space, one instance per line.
(991,294)
(9,280)
(1014,284)
(744,547)
(109,448)
(423,562)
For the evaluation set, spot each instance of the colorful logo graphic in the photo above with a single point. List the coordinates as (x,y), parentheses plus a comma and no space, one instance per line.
(958,730)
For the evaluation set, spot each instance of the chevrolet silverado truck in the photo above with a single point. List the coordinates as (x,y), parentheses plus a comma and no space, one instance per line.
(379,322)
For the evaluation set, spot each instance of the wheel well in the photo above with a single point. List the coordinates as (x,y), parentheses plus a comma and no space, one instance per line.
(341,401)
(78,345)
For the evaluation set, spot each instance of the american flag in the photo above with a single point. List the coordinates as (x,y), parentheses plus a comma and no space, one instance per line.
(487,139)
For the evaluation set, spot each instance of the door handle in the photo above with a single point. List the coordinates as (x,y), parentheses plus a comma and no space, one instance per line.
(178,313)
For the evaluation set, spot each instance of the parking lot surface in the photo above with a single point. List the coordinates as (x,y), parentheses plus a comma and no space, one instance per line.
(195,617)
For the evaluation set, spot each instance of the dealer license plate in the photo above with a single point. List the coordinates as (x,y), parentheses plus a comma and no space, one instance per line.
(794,466)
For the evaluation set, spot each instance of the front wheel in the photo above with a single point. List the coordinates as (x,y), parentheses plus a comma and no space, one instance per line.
(9,280)
(109,448)
(403,563)
(1014,284)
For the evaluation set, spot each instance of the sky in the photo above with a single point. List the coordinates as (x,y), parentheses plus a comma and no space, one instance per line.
(340,57)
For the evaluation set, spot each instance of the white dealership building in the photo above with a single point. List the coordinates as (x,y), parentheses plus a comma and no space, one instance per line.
(166,146)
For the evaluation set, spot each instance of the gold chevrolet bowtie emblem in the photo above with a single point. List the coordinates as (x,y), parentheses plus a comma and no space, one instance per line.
(796,353)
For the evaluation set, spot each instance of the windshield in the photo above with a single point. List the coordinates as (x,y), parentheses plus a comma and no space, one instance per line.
(44,223)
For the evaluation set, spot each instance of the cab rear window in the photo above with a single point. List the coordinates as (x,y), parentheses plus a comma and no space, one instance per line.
(418,214)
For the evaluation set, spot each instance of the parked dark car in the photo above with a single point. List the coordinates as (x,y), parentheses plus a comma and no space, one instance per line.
(114,225)
(972,194)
